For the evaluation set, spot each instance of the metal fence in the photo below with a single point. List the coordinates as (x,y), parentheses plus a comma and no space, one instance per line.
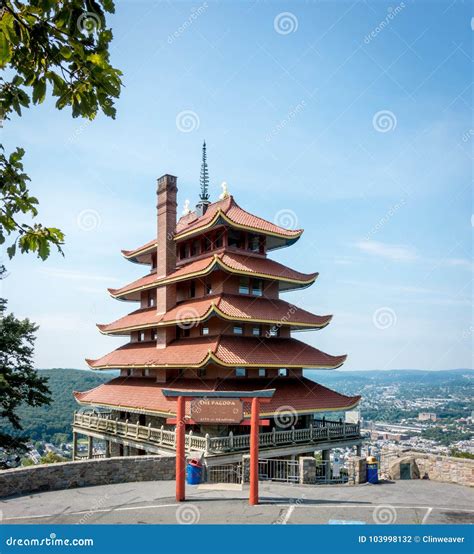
(287,471)
(225,473)
(330,473)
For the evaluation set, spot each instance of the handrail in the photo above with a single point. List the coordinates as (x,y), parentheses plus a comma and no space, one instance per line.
(321,431)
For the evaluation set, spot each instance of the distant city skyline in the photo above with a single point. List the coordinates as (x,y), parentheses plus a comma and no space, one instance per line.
(348,119)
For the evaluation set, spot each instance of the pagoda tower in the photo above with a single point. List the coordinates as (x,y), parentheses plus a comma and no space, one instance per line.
(210,318)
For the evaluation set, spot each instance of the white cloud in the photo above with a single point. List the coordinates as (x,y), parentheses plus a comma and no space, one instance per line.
(74,275)
(390,251)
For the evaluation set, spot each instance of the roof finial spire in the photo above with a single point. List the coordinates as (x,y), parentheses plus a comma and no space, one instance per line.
(204,196)
(204,181)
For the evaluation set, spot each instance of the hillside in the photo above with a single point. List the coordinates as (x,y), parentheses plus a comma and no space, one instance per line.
(46,423)
(53,423)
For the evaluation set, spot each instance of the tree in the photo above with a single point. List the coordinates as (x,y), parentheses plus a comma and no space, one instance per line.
(19,382)
(62,46)
(51,458)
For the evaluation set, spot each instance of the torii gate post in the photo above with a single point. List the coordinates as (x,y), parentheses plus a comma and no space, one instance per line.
(254,417)
(180,448)
(257,397)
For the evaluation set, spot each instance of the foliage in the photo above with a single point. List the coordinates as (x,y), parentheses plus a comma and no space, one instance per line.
(51,458)
(445,437)
(16,199)
(458,454)
(20,384)
(53,423)
(61,47)
(26,462)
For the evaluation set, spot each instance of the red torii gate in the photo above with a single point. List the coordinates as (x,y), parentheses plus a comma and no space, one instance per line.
(257,397)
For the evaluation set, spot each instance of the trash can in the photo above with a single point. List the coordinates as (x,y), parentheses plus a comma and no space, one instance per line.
(193,472)
(372,470)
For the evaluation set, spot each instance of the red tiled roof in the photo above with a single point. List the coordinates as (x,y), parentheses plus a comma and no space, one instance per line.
(144,317)
(148,281)
(268,310)
(264,266)
(186,352)
(228,208)
(149,246)
(237,351)
(223,350)
(228,306)
(141,394)
(238,263)
(192,221)
(233,212)
(231,262)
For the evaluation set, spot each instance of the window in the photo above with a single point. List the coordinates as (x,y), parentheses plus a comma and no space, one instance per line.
(262,372)
(206,244)
(192,289)
(154,334)
(244,287)
(257,287)
(219,240)
(151,299)
(208,287)
(282,372)
(141,336)
(254,243)
(195,248)
(204,330)
(240,372)
(235,239)
(128,372)
(256,331)
(184,251)
(182,332)
(201,372)
(238,330)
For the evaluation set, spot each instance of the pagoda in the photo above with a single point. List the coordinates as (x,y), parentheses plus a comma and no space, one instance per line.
(210,318)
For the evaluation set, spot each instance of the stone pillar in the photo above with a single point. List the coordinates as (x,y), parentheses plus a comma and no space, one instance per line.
(357,468)
(326,459)
(90,447)
(107,449)
(307,470)
(246,468)
(74,445)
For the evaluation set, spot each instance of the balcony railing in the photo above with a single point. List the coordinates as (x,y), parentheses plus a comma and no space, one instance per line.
(320,431)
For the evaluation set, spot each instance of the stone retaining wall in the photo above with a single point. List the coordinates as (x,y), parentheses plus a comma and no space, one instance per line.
(429,466)
(46,477)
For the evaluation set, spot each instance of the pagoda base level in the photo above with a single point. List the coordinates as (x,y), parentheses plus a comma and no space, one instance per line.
(122,438)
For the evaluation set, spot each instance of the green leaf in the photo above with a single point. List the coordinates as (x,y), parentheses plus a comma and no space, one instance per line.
(66,52)
(5,50)
(39,91)
(11,250)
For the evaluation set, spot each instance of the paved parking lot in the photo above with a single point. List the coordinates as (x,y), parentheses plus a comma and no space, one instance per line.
(153,502)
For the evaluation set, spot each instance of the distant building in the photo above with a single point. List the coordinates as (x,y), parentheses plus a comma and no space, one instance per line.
(427,416)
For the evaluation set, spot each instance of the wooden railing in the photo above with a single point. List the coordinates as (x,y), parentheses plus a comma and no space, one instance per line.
(320,431)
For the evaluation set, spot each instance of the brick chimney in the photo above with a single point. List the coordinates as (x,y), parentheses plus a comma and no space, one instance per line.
(166,251)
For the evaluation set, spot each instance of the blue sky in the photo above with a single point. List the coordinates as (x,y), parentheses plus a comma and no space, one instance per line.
(349,119)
